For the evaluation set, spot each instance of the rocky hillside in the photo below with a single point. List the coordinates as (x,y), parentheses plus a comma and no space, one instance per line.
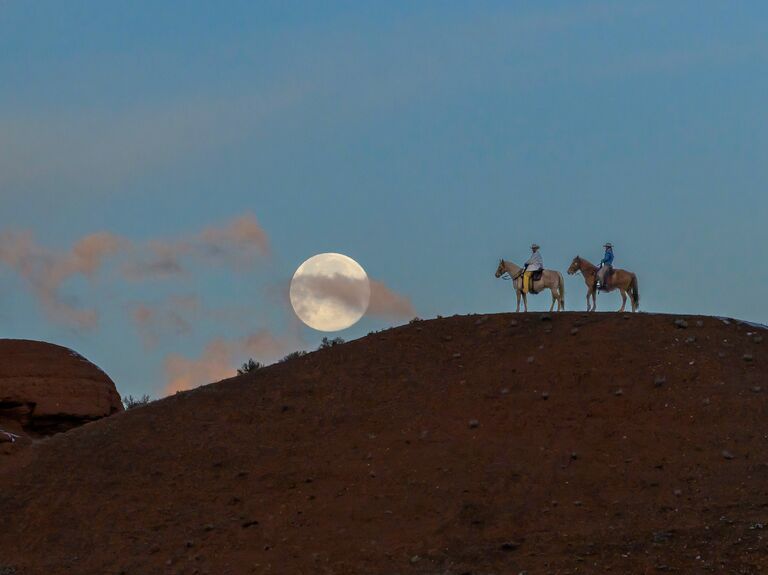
(564,443)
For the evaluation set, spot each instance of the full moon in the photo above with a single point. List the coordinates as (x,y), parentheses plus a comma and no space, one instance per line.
(330,292)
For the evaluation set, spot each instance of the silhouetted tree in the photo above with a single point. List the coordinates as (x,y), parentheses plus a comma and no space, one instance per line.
(326,343)
(249,366)
(130,402)
(294,355)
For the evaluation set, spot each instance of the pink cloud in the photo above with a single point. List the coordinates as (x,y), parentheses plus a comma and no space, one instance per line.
(234,244)
(172,317)
(219,360)
(46,270)
(386,303)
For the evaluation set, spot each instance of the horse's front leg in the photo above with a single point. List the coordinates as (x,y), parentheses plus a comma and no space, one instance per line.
(517,293)
(554,299)
(623,298)
(594,300)
(589,304)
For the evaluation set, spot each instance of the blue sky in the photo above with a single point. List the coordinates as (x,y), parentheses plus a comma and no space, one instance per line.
(425,140)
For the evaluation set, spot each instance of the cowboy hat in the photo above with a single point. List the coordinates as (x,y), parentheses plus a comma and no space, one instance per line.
(607,245)
(535,246)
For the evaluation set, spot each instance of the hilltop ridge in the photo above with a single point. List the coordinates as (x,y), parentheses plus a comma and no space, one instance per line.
(505,443)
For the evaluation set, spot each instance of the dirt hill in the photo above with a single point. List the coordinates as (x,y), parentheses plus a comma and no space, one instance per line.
(500,444)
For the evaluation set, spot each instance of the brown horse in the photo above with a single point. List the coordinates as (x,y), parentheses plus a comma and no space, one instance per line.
(624,281)
(549,279)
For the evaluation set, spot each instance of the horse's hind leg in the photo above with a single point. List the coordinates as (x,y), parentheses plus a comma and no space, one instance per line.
(623,298)
(554,299)
(525,301)
(517,293)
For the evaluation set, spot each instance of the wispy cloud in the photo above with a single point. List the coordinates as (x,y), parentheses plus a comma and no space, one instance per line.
(388,304)
(46,270)
(352,294)
(92,149)
(235,244)
(172,317)
(220,358)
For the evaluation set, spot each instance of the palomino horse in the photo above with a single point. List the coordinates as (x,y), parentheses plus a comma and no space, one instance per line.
(550,279)
(624,281)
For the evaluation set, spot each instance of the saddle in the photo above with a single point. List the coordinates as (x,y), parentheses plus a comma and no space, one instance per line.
(535,276)
(607,279)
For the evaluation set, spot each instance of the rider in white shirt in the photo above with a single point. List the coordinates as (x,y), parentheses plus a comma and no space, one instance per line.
(534,264)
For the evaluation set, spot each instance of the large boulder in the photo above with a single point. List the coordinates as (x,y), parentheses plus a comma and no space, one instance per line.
(47,389)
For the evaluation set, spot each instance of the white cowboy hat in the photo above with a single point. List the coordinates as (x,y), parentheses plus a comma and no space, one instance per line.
(607,245)
(535,246)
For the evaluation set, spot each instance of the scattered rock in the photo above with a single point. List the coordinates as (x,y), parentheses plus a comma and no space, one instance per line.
(530,359)
(747,357)
(510,545)
(727,454)
(474,423)
(699,323)
(415,559)
(659,381)
(514,323)
(691,339)
(546,317)
(681,324)
(505,391)
(544,395)
(758,339)
(457,356)
(661,536)
(618,392)
(756,389)
(574,331)
(447,338)
(678,492)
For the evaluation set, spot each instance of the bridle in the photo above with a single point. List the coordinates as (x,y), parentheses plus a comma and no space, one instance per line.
(507,275)
(578,266)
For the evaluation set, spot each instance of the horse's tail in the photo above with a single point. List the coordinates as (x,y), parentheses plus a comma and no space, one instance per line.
(561,289)
(635,291)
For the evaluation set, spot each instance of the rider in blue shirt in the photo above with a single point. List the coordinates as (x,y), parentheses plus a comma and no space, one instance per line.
(606,264)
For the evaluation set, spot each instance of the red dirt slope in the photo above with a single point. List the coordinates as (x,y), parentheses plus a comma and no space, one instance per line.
(568,443)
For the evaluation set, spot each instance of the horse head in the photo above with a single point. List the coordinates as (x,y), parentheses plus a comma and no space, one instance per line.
(575,266)
(500,271)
